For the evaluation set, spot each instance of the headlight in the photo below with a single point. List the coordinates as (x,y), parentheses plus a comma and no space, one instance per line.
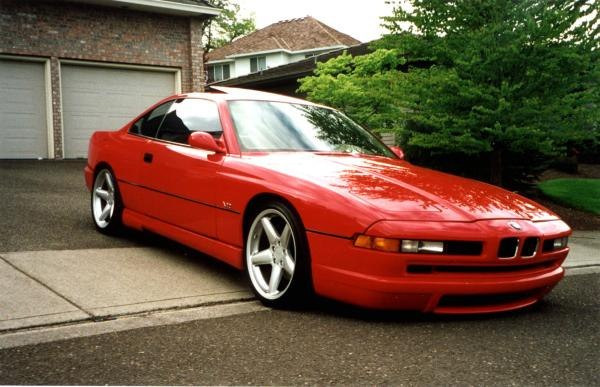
(560,243)
(412,246)
(555,244)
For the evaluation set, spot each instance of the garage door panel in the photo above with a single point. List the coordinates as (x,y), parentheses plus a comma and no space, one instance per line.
(23,130)
(96,98)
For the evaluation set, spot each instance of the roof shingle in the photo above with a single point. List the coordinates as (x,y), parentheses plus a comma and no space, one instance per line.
(293,35)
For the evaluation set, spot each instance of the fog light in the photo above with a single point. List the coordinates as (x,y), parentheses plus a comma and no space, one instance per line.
(560,243)
(412,246)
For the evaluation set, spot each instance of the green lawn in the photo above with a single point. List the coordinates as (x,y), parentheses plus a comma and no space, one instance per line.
(583,194)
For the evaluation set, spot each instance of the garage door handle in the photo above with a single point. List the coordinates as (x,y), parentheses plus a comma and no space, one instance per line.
(148,157)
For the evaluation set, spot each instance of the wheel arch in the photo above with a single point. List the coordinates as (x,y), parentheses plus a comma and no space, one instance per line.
(259,200)
(100,165)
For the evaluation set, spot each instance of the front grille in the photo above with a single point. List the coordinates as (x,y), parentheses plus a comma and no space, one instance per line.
(459,269)
(508,248)
(530,247)
(485,299)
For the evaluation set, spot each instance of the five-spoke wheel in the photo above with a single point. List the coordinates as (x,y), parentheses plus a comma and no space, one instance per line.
(105,202)
(275,255)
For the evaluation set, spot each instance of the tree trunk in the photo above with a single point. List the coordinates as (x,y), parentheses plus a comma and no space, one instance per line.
(496,167)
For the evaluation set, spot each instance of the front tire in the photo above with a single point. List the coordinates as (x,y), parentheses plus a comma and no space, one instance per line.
(106,202)
(276,256)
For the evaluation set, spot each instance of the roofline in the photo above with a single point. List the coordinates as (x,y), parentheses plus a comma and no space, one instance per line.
(235,56)
(243,81)
(159,6)
(219,61)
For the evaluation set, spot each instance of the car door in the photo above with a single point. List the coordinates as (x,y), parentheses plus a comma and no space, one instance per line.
(184,179)
(133,162)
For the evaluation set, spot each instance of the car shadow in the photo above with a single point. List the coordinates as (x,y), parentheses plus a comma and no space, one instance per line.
(320,306)
(182,253)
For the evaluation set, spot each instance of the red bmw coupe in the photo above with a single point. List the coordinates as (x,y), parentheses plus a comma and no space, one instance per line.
(303,199)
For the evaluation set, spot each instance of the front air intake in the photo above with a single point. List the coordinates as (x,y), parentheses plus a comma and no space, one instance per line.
(530,247)
(508,248)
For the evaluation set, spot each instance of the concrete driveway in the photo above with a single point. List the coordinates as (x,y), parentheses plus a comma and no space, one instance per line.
(55,269)
(45,206)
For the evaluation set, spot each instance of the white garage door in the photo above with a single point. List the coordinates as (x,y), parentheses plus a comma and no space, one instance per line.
(23,131)
(97,98)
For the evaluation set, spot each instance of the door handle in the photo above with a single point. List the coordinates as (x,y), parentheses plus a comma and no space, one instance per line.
(148,157)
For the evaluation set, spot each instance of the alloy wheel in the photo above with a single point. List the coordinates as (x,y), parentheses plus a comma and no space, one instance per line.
(271,254)
(103,199)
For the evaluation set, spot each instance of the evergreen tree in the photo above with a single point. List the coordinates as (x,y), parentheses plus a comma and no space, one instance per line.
(504,85)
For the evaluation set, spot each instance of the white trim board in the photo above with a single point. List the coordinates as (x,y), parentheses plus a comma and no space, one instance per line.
(159,6)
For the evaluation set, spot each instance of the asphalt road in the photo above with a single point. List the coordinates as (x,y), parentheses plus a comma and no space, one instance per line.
(554,343)
(44,205)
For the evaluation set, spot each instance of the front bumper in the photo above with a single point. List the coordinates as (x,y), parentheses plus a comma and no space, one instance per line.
(455,284)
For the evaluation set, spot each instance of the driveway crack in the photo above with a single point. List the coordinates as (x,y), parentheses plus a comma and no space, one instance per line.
(73,303)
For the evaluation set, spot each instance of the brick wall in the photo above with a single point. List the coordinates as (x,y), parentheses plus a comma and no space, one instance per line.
(196,54)
(62,30)
(56,106)
(95,33)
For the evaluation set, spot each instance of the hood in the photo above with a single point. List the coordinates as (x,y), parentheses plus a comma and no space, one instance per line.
(399,190)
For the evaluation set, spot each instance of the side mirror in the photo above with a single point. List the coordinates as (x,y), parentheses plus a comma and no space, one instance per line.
(398,152)
(203,140)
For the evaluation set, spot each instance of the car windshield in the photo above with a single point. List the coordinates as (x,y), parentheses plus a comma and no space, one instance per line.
(278,126)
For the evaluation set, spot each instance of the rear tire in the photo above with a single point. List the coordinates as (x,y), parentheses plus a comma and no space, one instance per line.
(276,256)
(106,203)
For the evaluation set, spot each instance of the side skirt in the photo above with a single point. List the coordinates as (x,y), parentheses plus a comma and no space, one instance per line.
(229,254)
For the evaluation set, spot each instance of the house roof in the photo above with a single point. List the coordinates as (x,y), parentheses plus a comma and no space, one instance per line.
(292,70)
(288,35)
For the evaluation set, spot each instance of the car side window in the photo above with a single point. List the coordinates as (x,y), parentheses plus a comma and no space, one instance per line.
(136,128)
(149,124)
(190,115)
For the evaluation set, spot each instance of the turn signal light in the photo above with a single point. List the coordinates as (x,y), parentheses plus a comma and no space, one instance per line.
(383,244)
(363,241)
(386,244)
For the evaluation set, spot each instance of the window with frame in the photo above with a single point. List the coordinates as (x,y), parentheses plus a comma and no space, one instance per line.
(258,63)
(190,115)
(148,125)
(219,72)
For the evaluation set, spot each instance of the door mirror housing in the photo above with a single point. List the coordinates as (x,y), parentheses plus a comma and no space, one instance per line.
(398,152)
(203,140)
